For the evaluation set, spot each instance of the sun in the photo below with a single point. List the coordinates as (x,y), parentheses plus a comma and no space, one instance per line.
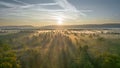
(59,21)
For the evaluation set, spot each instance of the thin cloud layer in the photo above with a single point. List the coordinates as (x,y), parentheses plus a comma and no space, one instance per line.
(40,10)
(51,10)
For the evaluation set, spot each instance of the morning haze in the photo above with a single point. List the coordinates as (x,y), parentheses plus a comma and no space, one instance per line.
(59,34)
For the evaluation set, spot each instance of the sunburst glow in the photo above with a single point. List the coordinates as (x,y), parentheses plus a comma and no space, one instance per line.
(59,21)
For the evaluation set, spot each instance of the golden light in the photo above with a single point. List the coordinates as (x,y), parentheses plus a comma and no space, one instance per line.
(59,21)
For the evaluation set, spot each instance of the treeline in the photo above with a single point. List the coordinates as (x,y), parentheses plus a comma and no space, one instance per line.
(8,58)
(55,50)
(104,60)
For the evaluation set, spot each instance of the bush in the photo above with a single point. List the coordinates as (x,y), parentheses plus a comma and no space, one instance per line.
(108,61)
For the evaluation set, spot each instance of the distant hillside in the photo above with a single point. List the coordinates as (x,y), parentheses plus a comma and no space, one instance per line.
(16,27)
(87,26)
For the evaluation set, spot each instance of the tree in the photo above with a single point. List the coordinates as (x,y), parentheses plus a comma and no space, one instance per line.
(8,58)
(108,61)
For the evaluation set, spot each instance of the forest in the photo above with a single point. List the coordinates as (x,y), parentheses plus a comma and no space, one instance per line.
(60,49)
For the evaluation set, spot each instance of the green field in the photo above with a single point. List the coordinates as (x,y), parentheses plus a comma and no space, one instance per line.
(60,49)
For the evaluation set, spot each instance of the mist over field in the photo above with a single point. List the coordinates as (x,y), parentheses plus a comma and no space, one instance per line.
(59,33)
(59,48)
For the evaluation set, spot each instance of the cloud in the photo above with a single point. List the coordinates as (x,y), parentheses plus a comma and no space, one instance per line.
(66,5)
(7,4)
(69,7)
(20,2)
(39,12)
(48,4)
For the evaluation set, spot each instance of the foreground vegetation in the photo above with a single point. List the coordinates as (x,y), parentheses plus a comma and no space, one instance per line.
(59,49)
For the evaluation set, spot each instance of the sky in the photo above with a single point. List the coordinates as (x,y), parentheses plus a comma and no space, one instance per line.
(65,12)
